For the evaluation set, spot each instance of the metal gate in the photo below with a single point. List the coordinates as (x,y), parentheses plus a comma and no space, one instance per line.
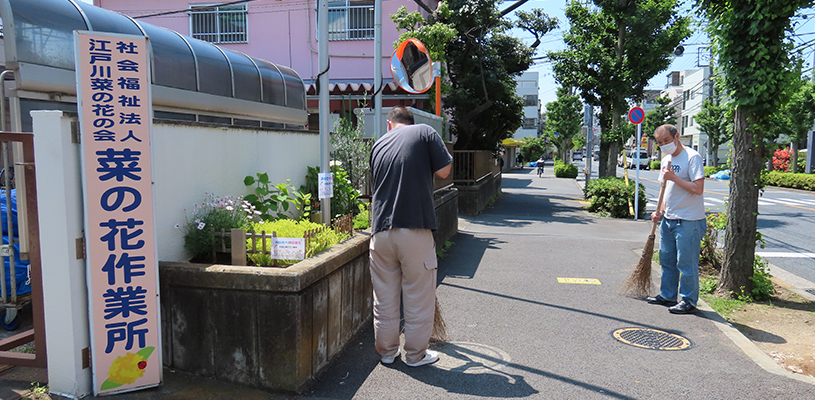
(27,204)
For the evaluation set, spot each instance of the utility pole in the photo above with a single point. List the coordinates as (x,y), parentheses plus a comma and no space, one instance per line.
(587,158)
(325,116)
(378,69)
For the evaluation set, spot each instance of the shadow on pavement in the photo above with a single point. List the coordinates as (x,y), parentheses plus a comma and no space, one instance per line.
(571,309)
(463,264)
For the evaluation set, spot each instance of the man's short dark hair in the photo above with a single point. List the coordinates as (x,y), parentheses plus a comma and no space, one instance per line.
(401,115)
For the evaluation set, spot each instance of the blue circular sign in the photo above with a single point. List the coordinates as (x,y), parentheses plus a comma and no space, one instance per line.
(636,115)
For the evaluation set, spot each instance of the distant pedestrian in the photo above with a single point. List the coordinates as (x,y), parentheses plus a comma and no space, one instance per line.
(403,254)
(520,160)
(683,222)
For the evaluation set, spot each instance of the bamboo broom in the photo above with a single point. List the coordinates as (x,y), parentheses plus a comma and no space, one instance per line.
(439,327)
(639,283)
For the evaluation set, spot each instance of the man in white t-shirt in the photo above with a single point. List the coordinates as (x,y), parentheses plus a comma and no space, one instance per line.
(683,222)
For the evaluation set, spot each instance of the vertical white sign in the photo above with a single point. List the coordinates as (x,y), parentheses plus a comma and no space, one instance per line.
(115,117)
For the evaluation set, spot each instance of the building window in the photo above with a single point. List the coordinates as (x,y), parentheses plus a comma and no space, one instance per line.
(350,20)
(219,24)
(531,100)
(529,123)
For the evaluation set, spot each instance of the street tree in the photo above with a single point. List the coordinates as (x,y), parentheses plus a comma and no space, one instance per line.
(613,50)
(795,117)
(482,62)
(564,120)
(716,121)
(754,53)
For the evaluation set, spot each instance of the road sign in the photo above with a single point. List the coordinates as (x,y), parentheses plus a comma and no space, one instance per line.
(636,115)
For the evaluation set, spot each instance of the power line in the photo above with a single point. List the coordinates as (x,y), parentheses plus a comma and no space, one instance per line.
(195,8)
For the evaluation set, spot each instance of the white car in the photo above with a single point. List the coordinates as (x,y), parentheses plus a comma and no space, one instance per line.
(577,155)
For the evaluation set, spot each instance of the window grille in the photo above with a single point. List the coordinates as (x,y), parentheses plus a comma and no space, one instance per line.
(531,100)
(219,24)
(350,20)
(529,123)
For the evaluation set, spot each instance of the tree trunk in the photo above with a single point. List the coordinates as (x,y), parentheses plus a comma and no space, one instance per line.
(794,157)
(715,155)
(742,209)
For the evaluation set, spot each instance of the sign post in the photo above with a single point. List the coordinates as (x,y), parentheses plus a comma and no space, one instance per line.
(636,115)
(115,117)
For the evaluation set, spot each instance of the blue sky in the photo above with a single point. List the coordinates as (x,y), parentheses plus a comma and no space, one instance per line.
(805,29)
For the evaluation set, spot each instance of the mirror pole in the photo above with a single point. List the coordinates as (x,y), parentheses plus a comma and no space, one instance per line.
(437,75)
(378,69)
(325,116)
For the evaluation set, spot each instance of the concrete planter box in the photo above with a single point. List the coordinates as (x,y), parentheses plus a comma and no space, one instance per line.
(473,199)
(271,328)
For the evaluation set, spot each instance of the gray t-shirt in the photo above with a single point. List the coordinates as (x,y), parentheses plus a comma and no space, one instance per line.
(679,203)
(402,165)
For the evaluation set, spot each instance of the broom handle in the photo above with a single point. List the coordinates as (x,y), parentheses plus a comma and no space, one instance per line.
(659,202)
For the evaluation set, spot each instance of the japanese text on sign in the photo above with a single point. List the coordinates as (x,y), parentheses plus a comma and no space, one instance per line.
(115,118)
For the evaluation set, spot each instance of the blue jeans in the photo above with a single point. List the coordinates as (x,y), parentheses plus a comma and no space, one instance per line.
(680,242)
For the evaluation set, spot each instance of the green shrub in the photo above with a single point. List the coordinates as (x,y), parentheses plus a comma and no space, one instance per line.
(708,284)
(214,214)
(565,170)
(762,285)
(363,219)
(611,196)
(788,179)
(709,255)
(292,229)
(345,198)
(711,170)
(655,165)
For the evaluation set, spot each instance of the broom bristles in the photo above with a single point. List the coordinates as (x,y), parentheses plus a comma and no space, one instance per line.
(639,283)
(439,327)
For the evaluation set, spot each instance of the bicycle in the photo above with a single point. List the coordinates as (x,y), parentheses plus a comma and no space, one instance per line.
(540,169)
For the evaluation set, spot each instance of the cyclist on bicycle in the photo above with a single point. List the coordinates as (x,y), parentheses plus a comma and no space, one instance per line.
(540,163)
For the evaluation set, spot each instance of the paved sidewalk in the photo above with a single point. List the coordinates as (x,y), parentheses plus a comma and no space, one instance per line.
(517,333)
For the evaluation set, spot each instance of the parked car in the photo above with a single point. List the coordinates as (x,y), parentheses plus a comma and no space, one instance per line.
(577,155)
(631,160)
(596,155)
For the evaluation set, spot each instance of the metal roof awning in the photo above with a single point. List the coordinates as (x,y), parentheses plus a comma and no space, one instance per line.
(188,75)
(357,88)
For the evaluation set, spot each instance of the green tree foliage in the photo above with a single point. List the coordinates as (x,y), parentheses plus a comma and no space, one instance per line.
(482,62)
(754,53)
(564,117)
(795,117)
(716,121)
(613,50)
(533,148)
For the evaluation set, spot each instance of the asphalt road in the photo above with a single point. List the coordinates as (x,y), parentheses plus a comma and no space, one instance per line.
(786,219)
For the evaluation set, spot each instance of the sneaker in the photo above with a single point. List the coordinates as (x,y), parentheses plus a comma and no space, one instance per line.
(430,357)
(388,359)
(658,299)
(684,307)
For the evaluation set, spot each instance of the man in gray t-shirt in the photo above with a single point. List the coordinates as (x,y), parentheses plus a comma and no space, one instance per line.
(681,222)
(403,256)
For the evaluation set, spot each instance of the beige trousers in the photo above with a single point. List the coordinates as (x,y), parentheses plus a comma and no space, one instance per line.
(403,261)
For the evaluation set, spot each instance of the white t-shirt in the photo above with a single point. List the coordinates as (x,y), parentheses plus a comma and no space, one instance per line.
(678,202)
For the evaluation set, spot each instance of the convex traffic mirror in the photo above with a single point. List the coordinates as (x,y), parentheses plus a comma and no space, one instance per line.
(411,66)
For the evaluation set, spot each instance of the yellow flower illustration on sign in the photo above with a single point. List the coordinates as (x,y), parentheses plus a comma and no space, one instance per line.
(127,368)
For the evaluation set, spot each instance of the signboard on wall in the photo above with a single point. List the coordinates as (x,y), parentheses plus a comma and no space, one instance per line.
(115,117)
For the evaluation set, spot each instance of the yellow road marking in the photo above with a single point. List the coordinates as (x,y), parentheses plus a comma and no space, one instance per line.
(584,281)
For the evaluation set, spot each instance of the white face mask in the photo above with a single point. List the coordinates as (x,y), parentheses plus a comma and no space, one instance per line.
(669,148)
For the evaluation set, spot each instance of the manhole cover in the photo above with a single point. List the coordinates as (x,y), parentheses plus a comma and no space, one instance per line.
(651,339)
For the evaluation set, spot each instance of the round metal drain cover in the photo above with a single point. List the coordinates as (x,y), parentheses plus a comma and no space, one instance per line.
(651,339)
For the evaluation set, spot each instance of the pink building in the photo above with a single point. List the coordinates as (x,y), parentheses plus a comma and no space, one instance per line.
(285,33)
